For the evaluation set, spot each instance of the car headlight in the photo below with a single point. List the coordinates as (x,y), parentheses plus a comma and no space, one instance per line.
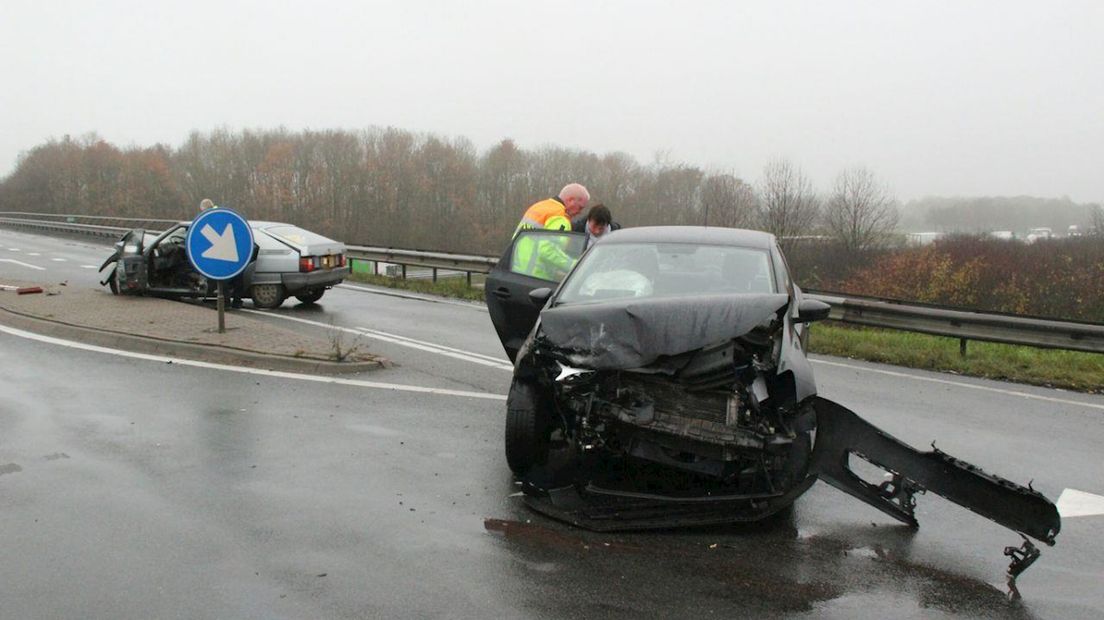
(572,376)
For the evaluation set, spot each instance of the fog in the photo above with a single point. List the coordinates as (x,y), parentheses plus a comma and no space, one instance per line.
(974,98)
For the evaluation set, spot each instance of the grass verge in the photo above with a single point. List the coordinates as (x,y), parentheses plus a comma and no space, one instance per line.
(445,287)
(1071,370)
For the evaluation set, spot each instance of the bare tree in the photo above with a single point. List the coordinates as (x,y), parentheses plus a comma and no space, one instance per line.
(727,201)
(788,206)
(861,213)
(1098,220)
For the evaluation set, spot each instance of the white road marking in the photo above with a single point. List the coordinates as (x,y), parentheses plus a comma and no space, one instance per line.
(60,260)
(1074,503)
(15,249)
(33,254)
(88,266)
(17,262)
(252,371)
(467,356)
(961,384)
(489,358)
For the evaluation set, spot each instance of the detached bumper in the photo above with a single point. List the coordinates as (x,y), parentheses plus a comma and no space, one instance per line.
(602,512)
(295,282)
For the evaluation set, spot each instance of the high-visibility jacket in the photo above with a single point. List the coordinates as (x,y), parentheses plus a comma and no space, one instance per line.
(543,258)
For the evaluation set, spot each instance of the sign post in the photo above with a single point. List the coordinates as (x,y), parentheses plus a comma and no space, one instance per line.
(219,244)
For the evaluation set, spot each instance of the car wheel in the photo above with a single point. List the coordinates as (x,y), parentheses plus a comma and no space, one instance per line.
(267,295)
(113,282)
(527,429)
(311,296)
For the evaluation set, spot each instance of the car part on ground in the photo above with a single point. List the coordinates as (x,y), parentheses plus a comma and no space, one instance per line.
(665,383)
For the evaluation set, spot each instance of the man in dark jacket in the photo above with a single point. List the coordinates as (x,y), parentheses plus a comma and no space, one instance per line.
(598,222)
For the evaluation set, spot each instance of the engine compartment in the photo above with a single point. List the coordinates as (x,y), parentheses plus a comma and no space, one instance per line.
(718,420)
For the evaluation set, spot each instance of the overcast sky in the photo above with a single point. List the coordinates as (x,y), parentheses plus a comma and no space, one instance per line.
(967,98)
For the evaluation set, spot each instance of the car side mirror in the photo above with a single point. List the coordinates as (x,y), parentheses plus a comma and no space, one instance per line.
(539,296)
(812,310)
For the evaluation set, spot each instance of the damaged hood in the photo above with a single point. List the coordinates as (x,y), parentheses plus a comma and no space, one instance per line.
(630,333)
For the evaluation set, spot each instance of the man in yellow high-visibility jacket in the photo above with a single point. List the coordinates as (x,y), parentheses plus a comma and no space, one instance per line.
(545,258)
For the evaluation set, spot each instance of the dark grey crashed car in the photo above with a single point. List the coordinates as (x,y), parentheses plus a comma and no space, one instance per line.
(665,383)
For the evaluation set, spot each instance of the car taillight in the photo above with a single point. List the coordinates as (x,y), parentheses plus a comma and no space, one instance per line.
(306,264)
(340,260)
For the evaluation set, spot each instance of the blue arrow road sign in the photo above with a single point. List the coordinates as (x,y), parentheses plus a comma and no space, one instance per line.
(219,243)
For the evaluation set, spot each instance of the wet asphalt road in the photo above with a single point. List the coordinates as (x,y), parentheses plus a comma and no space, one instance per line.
(139,489)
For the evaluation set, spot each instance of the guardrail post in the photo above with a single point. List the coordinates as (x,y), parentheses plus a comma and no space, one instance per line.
(434,275)
(404,270)
(469,279)
(962,347)
(375,267)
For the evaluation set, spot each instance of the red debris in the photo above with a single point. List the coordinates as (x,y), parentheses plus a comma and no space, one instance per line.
(21,290)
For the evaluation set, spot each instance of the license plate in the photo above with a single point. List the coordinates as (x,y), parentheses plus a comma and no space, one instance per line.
(329,261)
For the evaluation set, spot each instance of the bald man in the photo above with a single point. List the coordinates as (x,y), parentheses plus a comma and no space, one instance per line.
(546,259)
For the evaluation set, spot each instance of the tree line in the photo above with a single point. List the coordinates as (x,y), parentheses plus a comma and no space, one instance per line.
(398,188)
(1019,214)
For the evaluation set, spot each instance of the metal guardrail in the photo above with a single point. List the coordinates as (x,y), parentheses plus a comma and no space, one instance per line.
(872,312)
(94,230)
(72,218)
(965,325)
(468,263)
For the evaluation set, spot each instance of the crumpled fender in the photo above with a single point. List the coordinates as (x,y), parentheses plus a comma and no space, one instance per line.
(110,259)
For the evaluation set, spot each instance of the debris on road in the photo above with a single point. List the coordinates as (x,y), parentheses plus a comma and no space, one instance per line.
(21,290)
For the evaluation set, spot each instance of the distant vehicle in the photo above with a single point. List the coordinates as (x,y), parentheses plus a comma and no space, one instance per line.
(1073,231)
(290,261)
(1036,234)
(1004,235)
(665,383)
(923,238)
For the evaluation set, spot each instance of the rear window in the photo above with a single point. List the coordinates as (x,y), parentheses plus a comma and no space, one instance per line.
(296,236)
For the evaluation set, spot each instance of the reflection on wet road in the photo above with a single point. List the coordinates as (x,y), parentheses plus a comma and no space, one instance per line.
(765,569)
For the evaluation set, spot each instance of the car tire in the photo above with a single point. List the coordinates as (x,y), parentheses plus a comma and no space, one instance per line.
(113,282)
(268,296)
(526,429)
(797,465)
(311,296)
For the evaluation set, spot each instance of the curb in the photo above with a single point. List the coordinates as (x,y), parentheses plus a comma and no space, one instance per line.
(174,348)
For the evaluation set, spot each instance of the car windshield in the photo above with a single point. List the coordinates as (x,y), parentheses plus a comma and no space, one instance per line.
(640,270)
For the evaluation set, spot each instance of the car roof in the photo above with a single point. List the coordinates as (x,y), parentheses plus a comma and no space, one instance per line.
(692,234)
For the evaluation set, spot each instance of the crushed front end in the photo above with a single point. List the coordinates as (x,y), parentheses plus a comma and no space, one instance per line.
(712,434)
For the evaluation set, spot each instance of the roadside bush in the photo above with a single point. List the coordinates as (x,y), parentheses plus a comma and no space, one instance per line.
(824,263)
(1061,278)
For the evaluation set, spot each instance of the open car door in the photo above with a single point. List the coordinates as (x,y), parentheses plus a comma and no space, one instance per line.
(170,272)
(534,259)
(130,273)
